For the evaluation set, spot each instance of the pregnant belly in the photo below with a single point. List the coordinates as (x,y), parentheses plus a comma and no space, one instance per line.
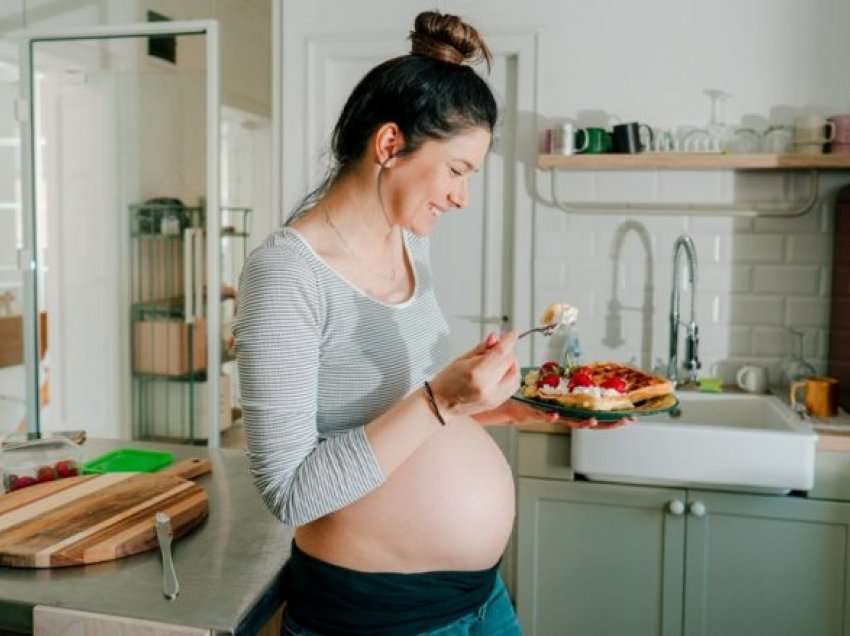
(450,506)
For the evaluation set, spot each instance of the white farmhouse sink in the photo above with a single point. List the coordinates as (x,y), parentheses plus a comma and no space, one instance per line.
(735,442)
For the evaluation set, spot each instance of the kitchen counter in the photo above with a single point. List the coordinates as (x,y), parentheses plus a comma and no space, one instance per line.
(228,567)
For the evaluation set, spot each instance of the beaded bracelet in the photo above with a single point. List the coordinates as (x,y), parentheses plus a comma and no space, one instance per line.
(433,403)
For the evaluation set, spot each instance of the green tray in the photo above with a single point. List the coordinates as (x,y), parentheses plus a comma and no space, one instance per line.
(128,460)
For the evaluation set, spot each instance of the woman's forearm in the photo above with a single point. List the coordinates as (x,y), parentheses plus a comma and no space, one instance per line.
(396,434)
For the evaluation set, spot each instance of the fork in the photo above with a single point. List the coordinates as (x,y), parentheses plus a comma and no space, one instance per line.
(546,330)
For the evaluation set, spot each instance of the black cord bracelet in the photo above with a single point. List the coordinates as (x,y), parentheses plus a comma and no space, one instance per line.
(433,403)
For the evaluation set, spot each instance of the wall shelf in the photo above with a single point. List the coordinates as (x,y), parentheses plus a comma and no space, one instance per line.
(694,161)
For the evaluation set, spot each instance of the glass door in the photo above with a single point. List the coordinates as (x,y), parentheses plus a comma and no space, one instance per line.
(122,221)
(12,371)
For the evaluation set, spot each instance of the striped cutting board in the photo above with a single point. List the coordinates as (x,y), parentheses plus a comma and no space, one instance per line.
(93,518)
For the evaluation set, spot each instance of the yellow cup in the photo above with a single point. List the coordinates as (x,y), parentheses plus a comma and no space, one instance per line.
(821,395)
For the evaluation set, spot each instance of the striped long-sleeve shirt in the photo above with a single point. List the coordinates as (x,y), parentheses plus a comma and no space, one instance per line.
(318,359)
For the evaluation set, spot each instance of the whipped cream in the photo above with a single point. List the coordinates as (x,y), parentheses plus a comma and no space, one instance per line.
(559,313)
(596,391)
(563,388)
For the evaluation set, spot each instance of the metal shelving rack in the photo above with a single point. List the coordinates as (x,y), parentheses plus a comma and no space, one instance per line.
(168,326)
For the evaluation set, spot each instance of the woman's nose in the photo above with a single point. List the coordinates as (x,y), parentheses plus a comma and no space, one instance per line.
(459,197)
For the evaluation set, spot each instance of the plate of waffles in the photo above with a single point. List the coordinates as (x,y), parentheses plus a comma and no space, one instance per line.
(606,391)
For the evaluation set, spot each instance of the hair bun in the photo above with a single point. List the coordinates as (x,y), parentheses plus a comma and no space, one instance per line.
(447,38)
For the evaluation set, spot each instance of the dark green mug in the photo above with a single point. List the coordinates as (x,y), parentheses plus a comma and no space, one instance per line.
(598,140)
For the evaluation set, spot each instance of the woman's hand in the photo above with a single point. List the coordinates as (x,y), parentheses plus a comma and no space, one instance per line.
(518,413)
(480,379)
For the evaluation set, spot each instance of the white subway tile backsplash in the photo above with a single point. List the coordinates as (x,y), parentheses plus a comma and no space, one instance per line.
(807,312)
(724,278)
(757,248)
(754,310)
(786,279)
(825,281)
(625,186)
(770,341)
(740,341)
(551,273)
(756,276)
(810,248)
(809,222)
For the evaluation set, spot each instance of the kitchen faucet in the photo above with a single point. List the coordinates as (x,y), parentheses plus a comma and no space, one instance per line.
(692,363)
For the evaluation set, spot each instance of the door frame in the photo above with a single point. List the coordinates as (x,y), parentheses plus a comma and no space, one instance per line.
(28,259)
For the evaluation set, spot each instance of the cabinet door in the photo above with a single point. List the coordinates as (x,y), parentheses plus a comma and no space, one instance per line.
(766,565)
(599,559)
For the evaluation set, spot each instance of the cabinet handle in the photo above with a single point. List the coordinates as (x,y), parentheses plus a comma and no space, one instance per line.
(697,509)
(676,507)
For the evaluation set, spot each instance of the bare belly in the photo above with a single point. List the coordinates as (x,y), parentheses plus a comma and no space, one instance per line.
(450,506)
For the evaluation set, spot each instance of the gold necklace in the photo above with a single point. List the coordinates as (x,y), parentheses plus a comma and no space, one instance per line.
(392,277)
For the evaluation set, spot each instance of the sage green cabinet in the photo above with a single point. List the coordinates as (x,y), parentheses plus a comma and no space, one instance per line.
(607,560)
(599,559)
(766,565)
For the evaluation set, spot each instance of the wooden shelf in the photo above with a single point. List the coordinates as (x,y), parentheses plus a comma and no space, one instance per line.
(694,161)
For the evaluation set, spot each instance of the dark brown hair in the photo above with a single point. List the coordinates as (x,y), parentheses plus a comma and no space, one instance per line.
(431,93)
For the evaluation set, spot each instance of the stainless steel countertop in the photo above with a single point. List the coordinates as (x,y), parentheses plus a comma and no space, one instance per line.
(228,567)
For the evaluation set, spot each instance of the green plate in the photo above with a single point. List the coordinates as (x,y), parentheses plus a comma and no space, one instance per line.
(128,460)
(653,406)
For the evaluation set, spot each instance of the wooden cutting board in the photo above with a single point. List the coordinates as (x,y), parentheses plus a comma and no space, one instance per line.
(93,518)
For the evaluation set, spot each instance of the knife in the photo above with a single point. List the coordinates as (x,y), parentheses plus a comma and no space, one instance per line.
(170,586)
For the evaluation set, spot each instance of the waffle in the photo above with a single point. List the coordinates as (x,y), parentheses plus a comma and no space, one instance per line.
(638,387)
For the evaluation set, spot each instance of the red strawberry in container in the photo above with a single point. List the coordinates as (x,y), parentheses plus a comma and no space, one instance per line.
(66,468)
(45,473)
(22,482)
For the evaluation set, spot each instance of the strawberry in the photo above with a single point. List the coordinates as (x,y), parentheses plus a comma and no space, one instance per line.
(580,378)
(618,384)
(45,473)
(550,379)
(550,367)
(65,468)
(23,482)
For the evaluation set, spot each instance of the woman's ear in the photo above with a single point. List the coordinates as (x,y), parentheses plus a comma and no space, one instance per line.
(388,144)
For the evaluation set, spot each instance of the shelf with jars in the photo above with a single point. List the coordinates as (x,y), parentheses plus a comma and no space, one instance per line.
(170,365)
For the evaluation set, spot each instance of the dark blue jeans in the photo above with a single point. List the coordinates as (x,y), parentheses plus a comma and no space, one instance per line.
(495,617)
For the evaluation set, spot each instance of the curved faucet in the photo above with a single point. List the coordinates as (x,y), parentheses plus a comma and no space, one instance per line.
(692,363)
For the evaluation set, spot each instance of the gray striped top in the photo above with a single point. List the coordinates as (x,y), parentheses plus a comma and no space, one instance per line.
(318,359)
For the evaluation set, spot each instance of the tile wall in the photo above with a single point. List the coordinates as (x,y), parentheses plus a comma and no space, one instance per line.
(756,277)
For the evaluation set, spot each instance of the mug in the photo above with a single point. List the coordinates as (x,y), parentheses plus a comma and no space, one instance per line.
(626,138)
(565,140)
(810,129)
(821,395)
(595,140)
(808,149)
(842,127)
(752,379)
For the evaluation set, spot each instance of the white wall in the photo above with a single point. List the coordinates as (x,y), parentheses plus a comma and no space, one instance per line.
(647,61)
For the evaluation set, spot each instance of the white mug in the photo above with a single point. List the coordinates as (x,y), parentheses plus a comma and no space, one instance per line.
(564,140)
(752,379)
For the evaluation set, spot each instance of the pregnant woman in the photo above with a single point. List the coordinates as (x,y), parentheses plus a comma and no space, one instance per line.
(358,432)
